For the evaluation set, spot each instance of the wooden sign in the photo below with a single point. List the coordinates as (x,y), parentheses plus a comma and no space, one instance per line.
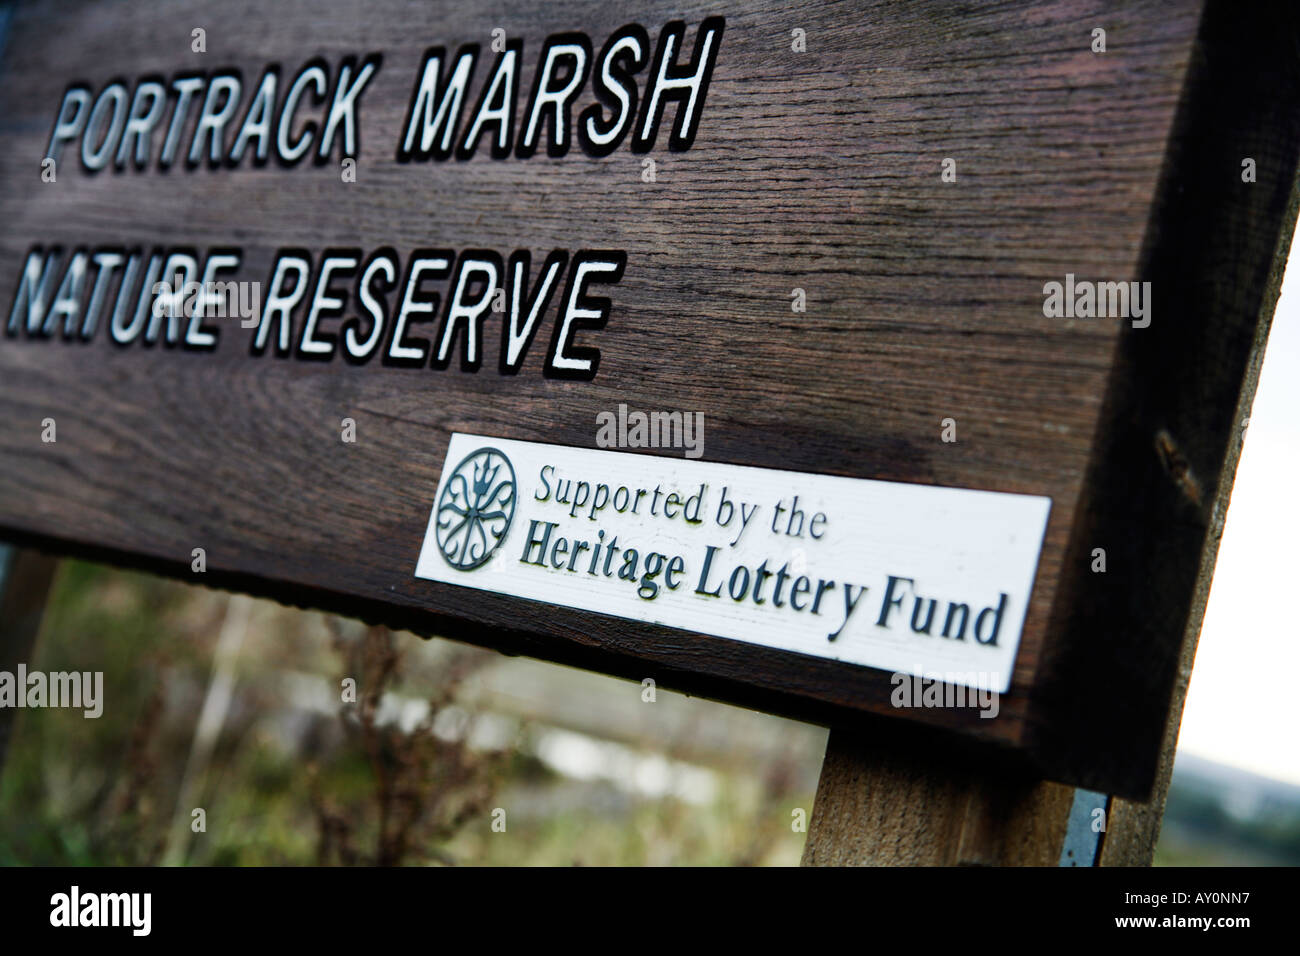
(879,364)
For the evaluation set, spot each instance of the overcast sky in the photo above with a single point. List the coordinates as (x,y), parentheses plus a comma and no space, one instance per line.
(1243,707)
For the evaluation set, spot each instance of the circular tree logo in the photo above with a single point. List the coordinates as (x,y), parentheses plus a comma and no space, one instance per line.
(474,512)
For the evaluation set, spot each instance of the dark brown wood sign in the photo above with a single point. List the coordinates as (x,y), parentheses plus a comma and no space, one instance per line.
(854,361)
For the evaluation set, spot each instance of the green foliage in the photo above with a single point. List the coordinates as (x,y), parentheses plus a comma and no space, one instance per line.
(294,783)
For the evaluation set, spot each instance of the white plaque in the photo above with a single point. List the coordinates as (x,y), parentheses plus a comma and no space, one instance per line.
(914,579)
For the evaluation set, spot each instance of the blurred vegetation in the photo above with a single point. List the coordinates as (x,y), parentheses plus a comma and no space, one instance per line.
(346,744)
(300,775)
(1200,830)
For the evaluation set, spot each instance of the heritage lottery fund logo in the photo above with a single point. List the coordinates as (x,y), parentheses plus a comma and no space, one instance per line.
(475,508)
(902,577)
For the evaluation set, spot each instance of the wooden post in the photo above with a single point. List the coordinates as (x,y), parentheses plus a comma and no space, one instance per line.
(24,581)
(839,300)
(881,805)
(885,805)
(891,805)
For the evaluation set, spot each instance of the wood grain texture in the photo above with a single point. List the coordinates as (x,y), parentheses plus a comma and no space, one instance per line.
(1134,825)
(880,803)
(817,170)
(851,822)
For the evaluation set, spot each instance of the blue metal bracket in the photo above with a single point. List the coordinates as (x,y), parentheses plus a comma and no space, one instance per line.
(1082,837)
